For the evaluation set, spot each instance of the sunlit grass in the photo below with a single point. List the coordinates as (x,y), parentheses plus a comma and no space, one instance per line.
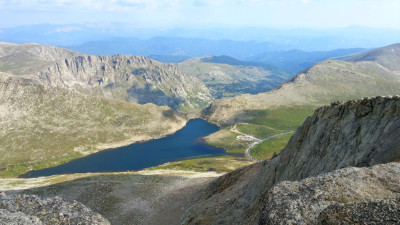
(258,131)
(266,149)
(218,164)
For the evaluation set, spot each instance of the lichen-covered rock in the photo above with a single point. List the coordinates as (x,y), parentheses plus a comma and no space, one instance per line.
(355,133)
(376,212)
(7,217)
(350,191)
(30,209)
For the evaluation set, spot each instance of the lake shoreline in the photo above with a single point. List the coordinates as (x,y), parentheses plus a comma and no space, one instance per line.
(181,154)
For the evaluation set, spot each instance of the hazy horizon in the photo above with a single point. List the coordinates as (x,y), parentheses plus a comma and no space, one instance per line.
(205,14)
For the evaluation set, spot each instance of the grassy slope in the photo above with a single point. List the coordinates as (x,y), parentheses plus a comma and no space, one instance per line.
(266,149)
(262,124)
(42,127)
(286,107)
(218,164)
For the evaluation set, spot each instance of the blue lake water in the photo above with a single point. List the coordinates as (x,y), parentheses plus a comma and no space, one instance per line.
(185,143)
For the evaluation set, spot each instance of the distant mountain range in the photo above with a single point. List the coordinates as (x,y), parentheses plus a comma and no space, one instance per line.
(173,46)
(294,61)
(280,38)
(178,49)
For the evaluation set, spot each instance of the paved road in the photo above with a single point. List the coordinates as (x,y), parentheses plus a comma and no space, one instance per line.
(247,153)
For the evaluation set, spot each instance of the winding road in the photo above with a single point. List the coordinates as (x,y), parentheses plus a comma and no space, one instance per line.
(247,153)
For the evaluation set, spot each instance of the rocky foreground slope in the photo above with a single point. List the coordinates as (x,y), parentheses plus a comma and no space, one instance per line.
(345,196)
(32,210)
(359,133)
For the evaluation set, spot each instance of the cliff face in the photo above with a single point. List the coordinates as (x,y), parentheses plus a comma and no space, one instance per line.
(132,78)
(355,133)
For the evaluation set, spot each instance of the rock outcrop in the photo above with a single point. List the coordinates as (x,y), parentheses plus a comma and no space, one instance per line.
(374,212)
(358,193)
(359,133)
(30,209)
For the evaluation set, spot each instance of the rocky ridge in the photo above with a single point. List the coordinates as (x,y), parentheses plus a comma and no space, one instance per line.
(359,133)
(387,57)
(132,78)
(32,210)
(29,58)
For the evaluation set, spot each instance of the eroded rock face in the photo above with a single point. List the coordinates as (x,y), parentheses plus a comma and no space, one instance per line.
(30,209)
(347,195)
(355,133)
(131,78)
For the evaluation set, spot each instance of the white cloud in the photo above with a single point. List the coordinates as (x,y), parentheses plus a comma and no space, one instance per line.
(305,1)
(66,29)
(299,13)
(71,4)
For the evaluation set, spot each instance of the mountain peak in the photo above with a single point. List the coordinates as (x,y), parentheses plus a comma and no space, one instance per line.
(388,57)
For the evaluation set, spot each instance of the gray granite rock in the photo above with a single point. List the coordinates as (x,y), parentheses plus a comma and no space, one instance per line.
(327,197)
(30,209)
(385,212)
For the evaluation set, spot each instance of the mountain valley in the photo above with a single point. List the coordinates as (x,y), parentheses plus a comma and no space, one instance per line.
(57,105)
(226,76)
(200,112)
(285,108)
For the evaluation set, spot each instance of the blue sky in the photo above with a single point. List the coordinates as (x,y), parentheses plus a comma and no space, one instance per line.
(205,13)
